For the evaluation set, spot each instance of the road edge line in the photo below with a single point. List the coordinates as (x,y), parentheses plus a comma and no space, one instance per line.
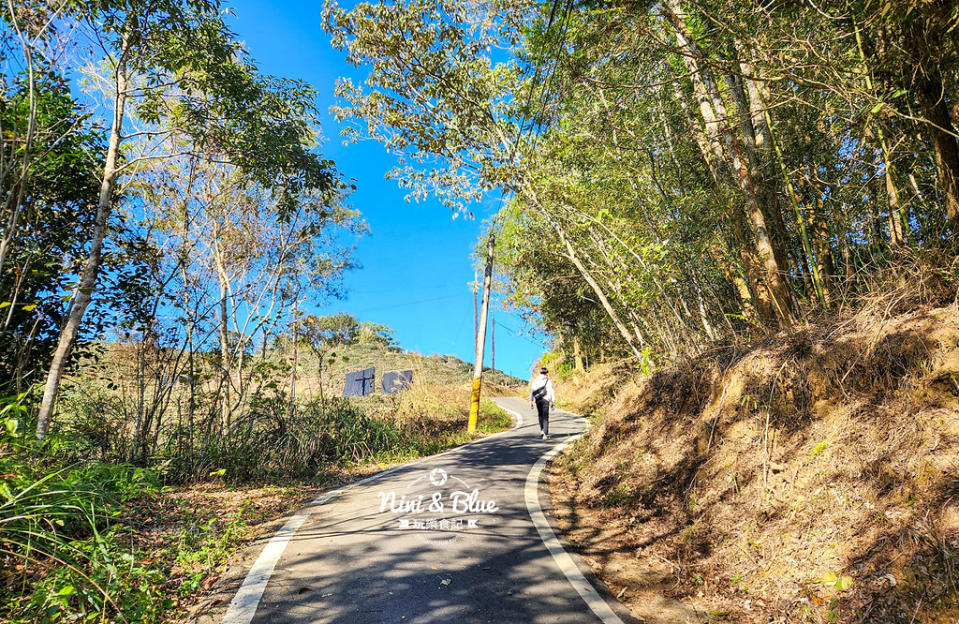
(243,606)
(560,555)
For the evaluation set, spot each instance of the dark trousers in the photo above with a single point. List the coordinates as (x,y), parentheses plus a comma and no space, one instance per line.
(542,408)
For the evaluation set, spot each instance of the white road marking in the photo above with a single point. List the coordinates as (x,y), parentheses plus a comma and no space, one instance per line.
(516,415)
(243,606)
(562,558)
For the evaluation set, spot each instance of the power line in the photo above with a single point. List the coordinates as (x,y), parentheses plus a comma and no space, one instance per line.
(379,291)
(406,303)
(519,334)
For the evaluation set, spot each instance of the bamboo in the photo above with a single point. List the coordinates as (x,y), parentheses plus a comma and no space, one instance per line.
(803,234)
(896,237)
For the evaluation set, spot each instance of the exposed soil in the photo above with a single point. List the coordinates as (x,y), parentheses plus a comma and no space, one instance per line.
(643,583)
(813,477)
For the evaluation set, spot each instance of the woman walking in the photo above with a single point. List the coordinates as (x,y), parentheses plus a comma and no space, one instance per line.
(542,397)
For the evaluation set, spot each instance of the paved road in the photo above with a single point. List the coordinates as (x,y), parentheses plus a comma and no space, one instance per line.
(370,555)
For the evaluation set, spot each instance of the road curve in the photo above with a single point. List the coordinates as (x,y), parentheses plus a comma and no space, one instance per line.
(457,537)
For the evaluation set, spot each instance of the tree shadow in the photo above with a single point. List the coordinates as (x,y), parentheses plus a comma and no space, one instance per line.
(354,562)
(756,437)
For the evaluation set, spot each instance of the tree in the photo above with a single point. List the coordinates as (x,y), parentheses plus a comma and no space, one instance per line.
(436,97)
(333,331)
(376,334)
(174,68)
(46,214)
(694,169)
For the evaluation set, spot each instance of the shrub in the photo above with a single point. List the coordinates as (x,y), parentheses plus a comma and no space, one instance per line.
(61,545)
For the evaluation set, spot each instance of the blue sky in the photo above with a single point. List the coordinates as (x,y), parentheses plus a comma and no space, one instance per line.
(416,263)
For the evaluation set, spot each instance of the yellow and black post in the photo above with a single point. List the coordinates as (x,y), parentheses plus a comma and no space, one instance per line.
(481,335)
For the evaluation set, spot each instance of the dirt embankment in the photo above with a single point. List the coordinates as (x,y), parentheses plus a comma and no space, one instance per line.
(810,478)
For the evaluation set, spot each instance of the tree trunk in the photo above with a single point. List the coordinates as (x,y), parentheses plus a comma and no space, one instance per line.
(574,258)
(704,316)
(776,309)
(895,217)
(716,167)
(751,267)
(699,77)
(812,269)
(896,234)
(577,354)
(760,173)
(142,424)
(846,258)
(932,99)
(191,408)
(319,372)
(757,105)
(772,271)
(296,361)
(226,363)
(734,273)
(705,148)
(820,235)
(190,324)
(91,269)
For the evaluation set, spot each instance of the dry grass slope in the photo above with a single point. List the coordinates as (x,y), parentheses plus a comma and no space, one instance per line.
(810,478)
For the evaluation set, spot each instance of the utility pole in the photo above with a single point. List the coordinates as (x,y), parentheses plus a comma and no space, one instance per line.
(295,358)
(475,311)
(481,335)
(492,360)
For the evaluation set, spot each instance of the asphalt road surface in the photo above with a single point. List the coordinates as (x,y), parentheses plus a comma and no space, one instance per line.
(459,537)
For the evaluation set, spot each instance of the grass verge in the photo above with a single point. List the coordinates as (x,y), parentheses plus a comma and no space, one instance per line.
(84,540)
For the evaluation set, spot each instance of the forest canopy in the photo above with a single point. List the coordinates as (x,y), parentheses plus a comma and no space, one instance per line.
(157,188)
(674,173)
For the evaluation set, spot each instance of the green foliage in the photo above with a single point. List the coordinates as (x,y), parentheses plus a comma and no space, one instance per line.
(66,545)
(62,541)
(51,215)
(333,330)
(437,94)
(559,364)
(213,157)
(376,333)
(425,432)
(200,108)
(205,542)
(620,496)
(273,441)
(671,180)
(70,546)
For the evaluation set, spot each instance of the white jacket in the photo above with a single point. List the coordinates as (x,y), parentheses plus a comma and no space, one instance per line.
(539,382)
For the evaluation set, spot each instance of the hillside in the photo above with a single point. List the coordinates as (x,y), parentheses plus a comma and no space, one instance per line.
(137,480)
(811,477)
(433,369)
(735,224)
(132,401)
